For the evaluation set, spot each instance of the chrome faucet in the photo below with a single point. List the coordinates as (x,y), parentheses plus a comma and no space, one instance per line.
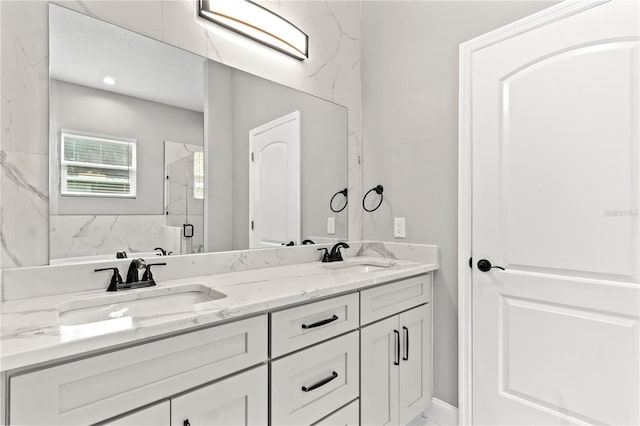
(334,255)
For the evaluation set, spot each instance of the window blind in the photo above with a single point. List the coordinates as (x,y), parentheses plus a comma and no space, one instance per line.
(93,166)
(198,176)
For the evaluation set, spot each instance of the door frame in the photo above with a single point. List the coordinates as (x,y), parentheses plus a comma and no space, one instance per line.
(465,183)
(293,116)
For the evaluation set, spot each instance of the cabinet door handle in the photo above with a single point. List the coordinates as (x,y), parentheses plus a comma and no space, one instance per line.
(320,323)
(186,423)
(396,361)
(406,343)
(320,383)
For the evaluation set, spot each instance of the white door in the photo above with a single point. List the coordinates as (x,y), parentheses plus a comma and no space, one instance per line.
(415,362)
(379,373)
(274,176)
(156,415)
(556,201)
(238,400)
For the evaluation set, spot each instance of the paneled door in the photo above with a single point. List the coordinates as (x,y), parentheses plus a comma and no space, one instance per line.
(274,182)
(556,202)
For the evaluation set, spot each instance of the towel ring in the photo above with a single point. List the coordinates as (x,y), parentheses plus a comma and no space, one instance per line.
(343,192)
(378,190)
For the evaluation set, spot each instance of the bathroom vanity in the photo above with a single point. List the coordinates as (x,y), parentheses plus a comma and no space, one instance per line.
(306,343)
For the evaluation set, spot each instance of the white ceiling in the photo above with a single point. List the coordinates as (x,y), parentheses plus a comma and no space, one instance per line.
(84,50)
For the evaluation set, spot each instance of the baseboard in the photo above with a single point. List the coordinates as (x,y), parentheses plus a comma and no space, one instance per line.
(441,413)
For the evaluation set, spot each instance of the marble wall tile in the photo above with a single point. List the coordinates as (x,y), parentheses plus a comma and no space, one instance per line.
(25,77)
(24,209)
(91,235)
(331,72)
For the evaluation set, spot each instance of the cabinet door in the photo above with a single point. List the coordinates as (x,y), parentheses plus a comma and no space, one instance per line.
(238,400)
(156,415)
(379,373)
(415,364)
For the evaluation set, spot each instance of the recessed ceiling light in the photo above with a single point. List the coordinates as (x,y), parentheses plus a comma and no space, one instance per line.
(109,80)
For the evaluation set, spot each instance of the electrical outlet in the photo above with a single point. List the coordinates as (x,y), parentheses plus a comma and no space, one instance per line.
(331,225)
(399,229)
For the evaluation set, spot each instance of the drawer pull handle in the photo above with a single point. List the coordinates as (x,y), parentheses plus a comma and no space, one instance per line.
(396,360)
(320,323)
(320,383)
(406,344)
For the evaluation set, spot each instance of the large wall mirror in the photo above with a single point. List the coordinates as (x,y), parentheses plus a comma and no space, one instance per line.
(157,150)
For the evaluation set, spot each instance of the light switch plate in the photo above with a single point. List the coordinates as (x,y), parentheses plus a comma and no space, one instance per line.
(399,229)
(331,225)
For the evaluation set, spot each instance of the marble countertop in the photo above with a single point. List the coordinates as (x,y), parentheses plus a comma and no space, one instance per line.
(31,332)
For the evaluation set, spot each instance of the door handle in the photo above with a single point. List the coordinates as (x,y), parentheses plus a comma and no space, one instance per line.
(320,383)
(406,343)
(319,323)
(186,423)
(485,266)
(396,361)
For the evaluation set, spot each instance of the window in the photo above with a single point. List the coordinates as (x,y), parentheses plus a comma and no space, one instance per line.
(98,167)
(198,175)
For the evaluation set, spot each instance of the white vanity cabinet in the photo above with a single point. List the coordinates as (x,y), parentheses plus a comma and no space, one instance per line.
(396,368)
(363,357)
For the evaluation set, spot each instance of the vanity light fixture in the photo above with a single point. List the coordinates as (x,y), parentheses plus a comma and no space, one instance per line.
(254,21)
(109,80)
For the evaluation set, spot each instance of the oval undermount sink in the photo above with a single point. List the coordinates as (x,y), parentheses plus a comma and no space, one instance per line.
(137,304)
(360,265)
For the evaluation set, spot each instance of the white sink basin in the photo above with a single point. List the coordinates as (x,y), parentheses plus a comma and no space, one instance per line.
(360,265)
(137,304)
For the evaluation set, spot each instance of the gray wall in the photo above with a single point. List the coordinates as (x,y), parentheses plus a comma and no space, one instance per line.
(81,108)
(218,150)
(410,135)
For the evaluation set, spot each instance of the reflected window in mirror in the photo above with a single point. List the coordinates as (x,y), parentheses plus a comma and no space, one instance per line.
(198,175)
(93,166)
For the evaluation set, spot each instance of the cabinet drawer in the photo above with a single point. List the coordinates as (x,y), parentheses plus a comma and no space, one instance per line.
(295,328)
(346,416)
(100,387)
(389,299)
(310,384)
(237,400)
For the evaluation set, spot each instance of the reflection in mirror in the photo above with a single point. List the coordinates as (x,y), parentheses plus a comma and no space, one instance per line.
(184,192)
(288,154)
(152,146)
(115,98)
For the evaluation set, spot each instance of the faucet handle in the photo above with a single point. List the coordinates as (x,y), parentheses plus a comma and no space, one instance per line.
(116,278)
(148,276)
(325,256)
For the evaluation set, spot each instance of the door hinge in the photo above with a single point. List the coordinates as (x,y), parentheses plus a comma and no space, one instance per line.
(252,225)
(471,262)
(252,158)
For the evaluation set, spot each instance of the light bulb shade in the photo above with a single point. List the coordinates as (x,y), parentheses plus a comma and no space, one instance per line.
(256,22)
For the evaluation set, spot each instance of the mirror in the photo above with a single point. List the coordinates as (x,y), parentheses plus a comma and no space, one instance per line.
(154,149)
